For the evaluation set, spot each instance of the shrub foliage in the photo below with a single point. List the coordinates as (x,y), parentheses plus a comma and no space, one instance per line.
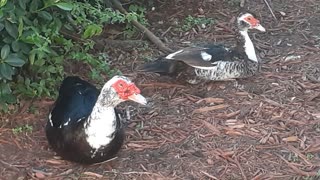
(34,49)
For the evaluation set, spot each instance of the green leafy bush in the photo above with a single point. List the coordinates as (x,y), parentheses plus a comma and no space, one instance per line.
(189,22)
(34,48)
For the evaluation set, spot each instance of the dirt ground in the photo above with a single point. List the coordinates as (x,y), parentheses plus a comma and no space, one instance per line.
(264,127)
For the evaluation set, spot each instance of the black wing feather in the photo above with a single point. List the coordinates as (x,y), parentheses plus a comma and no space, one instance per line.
(75,101)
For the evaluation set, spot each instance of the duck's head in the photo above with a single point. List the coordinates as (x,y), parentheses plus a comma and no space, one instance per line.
(120,89)
(247,21)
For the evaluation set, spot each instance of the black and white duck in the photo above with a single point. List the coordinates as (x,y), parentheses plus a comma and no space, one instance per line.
(84,125)
(214,62)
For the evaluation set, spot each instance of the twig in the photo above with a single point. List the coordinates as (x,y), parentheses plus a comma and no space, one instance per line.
(9,166)
(208,175)
(240,167)
(142,28)
(269,7)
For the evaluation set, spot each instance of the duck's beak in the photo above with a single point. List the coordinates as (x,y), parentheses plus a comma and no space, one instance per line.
(138,98)
(260,28)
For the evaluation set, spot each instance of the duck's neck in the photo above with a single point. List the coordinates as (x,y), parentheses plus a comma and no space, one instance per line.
(102,122)
(247,45)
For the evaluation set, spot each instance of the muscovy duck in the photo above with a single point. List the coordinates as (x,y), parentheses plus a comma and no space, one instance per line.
(84,125)
(213,62)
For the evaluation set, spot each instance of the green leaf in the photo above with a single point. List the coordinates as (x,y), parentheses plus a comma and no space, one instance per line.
(3,3)
(1,26)
(11,29)
(52,69)
(65,6)
(14,60)
(92,30)
(5,50)
(34,5)
(6,71)
(20,27)
(15,46)
(8,40)
(22,4)
(9,98)
(4,88)
(45,15)
(32,56)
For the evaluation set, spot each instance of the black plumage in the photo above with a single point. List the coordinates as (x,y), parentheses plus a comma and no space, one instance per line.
(65,127)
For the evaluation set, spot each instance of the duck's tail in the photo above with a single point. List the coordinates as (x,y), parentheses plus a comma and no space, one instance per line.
(162,66)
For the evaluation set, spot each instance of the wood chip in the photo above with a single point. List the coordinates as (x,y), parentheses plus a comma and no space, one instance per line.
(93,174)
(211,127)
(290,139)
(135,145)
(210,108)
(230,115)
(237,126)
(53,161)
(211,100)
(233,132)
(39,175)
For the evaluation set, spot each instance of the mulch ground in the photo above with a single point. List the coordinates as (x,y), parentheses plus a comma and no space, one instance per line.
(264,127)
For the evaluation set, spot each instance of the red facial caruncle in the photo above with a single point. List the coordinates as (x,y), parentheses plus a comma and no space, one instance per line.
(252,21)
(125,89)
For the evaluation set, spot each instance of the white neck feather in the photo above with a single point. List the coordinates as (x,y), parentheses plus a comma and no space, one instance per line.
(101,123)
(248,46)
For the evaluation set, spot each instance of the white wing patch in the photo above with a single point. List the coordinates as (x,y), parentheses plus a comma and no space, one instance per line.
(205,56)
(50,120)
(81,119)
(66,123)
(170,56)
(205,68)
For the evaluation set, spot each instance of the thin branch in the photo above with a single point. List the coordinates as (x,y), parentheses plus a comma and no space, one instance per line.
(270,9)
(142,28)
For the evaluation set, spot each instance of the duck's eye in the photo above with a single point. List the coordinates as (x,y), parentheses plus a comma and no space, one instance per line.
(249,18)
(121,85)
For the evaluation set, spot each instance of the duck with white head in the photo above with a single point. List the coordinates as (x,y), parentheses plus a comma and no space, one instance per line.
(214,62)
(84,125)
